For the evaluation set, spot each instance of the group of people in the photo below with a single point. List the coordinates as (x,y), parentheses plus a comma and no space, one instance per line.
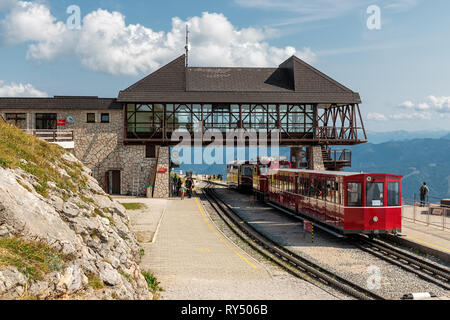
(183,189)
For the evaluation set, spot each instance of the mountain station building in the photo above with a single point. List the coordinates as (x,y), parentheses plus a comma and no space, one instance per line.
(126,140)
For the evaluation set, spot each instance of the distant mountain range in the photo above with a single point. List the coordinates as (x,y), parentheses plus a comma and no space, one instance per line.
(418,160)
(382,137)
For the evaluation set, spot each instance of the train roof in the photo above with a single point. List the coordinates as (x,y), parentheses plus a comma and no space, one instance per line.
(334,173)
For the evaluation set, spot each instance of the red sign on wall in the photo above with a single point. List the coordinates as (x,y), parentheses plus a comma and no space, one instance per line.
(162,170)
(61,123)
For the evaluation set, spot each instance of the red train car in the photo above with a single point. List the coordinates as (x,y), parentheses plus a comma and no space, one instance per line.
(261,173)
(349,203)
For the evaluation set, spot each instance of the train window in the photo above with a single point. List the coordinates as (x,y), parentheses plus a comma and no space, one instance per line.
(393,194)
(375,194)
(354,194)
(263,170)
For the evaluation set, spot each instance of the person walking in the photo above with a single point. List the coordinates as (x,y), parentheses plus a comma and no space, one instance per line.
(182,191)
(189,186)
(424,194)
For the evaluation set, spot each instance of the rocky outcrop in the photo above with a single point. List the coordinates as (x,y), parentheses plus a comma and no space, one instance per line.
(88,229)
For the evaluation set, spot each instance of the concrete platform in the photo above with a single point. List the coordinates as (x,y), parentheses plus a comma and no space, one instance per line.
(427,239)
(195,261)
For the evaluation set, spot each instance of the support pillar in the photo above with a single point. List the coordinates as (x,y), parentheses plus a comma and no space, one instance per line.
(315,159)
(162,185)
(297,156)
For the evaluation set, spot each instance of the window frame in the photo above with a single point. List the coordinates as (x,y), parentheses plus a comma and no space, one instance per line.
(351,204)
(369,204)
(90,114)
(105,114)
(397,199)
(150,154)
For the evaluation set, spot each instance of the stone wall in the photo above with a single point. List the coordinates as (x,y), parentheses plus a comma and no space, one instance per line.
(315,158)
(100,147)
(162,179)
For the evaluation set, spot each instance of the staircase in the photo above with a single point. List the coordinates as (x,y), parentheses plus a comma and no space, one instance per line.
(336,160)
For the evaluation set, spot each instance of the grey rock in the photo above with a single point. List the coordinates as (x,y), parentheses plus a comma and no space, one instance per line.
(108,274)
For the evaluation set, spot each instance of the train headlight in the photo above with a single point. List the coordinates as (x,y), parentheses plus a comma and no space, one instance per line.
(375,219)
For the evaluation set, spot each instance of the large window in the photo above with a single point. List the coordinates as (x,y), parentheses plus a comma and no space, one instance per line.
(46,121)
(354,194)
(375,194)
(393,194)
(144,118)
(17,119)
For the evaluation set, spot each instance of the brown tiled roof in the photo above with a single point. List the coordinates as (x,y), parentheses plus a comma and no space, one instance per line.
(170,78)
(293,82)
(60,102)
(238,80)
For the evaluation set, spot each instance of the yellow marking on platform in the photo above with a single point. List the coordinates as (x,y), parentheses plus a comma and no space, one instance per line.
(205,250)
(431,244)
(221,238)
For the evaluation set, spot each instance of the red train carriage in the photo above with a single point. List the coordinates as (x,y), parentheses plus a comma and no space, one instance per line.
(349,203)
(240,175)
(261,173)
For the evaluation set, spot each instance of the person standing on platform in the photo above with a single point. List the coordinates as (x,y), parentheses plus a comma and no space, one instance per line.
(424,194)
(189,186)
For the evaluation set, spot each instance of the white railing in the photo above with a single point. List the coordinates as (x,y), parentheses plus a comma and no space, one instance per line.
(53,135)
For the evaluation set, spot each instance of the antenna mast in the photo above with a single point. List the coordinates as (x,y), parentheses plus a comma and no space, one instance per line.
(187,45)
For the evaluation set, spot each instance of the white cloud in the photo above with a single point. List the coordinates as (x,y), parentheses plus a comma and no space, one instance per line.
(316,10)
(107,44)
(411,116)
(376,116)
(434,104)
(307,10)
(20,90)
(402,4)
(407,104)
(441,104)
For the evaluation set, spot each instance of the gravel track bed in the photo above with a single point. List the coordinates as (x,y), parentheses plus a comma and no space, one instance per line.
(334,254)
(282,279)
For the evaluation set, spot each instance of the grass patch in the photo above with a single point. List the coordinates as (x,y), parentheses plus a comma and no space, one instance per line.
(152,282)
(95,282)
(134,206)
(101,214)
(41,159)
(34,259)
(142,252)
(125,275)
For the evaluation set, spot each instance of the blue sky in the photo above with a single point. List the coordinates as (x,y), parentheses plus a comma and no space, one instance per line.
(402,71)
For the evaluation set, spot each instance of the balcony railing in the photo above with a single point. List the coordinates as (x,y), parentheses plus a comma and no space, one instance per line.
(53,136)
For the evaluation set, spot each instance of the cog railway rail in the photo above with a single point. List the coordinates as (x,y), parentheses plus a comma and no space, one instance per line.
(280,255)
(436,274)
(429,271)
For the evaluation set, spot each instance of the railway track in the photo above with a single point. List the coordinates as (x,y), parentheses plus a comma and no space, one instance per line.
(280,255)
(428,271)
